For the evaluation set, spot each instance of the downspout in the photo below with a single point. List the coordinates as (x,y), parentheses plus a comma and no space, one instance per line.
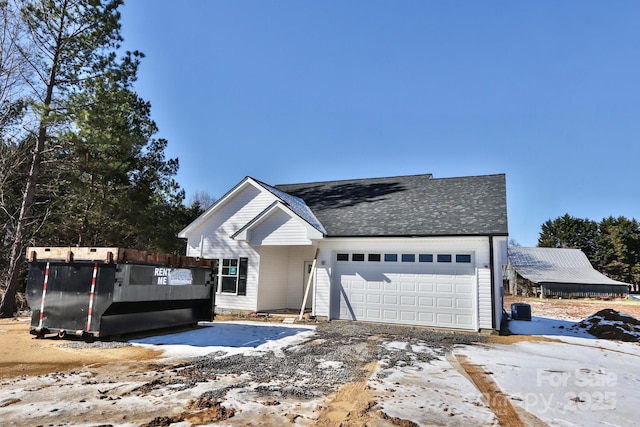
(493,286)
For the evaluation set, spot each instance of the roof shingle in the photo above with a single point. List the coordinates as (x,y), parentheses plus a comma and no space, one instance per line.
(414,205)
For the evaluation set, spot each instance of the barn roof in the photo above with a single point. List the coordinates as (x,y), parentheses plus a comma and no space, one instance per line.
(556,265)
(415,205)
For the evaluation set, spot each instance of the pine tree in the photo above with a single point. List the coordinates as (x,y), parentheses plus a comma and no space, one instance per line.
(69,42)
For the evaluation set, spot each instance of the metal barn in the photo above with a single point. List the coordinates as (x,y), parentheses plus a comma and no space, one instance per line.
(558,272)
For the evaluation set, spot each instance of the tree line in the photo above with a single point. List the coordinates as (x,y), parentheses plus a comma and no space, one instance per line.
(612,245)
(80,164)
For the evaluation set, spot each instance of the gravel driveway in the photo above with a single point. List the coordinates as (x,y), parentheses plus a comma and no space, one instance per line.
(304,370)
(291,384)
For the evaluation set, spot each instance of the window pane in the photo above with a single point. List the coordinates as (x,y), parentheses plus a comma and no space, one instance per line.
(374,257)
(408,258)
(463,258)
(343,257)
(229,285)
(425,258)
(391,257)
(444,257)
(357,257)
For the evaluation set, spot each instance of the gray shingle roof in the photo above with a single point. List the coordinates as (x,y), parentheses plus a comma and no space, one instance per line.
(556,265)
(415,205)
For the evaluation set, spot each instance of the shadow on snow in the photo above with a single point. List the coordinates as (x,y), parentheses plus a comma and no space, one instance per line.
(224,335)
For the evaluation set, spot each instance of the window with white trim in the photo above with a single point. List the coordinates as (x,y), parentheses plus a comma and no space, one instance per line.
(233,276)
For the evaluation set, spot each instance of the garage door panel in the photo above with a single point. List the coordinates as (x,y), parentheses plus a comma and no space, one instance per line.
(427,302)
(374,314)
(357,298)
(464,303)
(357,284)
(390,315)
(426,318)
(464,320)
(390,299)
(463,288)
(444,288)
(407,301)
(392,286)
(408,286)
(409,293)
(374,286)
(374,299)
(427,287)
(408,316)
(444,319)
(444,302)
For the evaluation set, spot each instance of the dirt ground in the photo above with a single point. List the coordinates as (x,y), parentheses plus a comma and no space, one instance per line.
(21,356)
(573,309)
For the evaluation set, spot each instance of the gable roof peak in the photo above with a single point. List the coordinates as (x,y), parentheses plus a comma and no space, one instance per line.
(296,204)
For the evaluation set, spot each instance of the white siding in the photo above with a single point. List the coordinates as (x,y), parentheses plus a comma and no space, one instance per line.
(297,257)
(322,288)
(491,305)
(211,239)
(279,229)
(485,310)
(272,284)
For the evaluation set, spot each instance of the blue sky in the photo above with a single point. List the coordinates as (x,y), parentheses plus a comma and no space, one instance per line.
(546,92)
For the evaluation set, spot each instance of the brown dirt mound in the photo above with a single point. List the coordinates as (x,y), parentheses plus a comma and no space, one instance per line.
(612,325)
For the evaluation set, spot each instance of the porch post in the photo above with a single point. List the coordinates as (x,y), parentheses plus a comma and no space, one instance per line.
(311,275)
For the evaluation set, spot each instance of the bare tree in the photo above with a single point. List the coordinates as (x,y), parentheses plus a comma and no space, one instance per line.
(14,71)
(203,199)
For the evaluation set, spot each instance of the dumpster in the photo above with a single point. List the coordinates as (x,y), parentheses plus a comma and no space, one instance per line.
(520,311)
(100,292)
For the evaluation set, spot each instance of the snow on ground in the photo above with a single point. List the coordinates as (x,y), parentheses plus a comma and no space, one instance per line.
(570,379)
(576,381)
(228,338)
(428,394)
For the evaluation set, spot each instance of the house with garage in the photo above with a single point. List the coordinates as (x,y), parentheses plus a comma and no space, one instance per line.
(413,250)
(558,272)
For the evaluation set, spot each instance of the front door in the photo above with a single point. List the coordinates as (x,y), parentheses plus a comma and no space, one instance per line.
(307,273)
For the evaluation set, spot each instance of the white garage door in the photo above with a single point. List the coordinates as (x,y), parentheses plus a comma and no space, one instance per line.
(428,293)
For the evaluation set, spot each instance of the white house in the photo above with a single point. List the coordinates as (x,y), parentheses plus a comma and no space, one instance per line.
(410,249)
